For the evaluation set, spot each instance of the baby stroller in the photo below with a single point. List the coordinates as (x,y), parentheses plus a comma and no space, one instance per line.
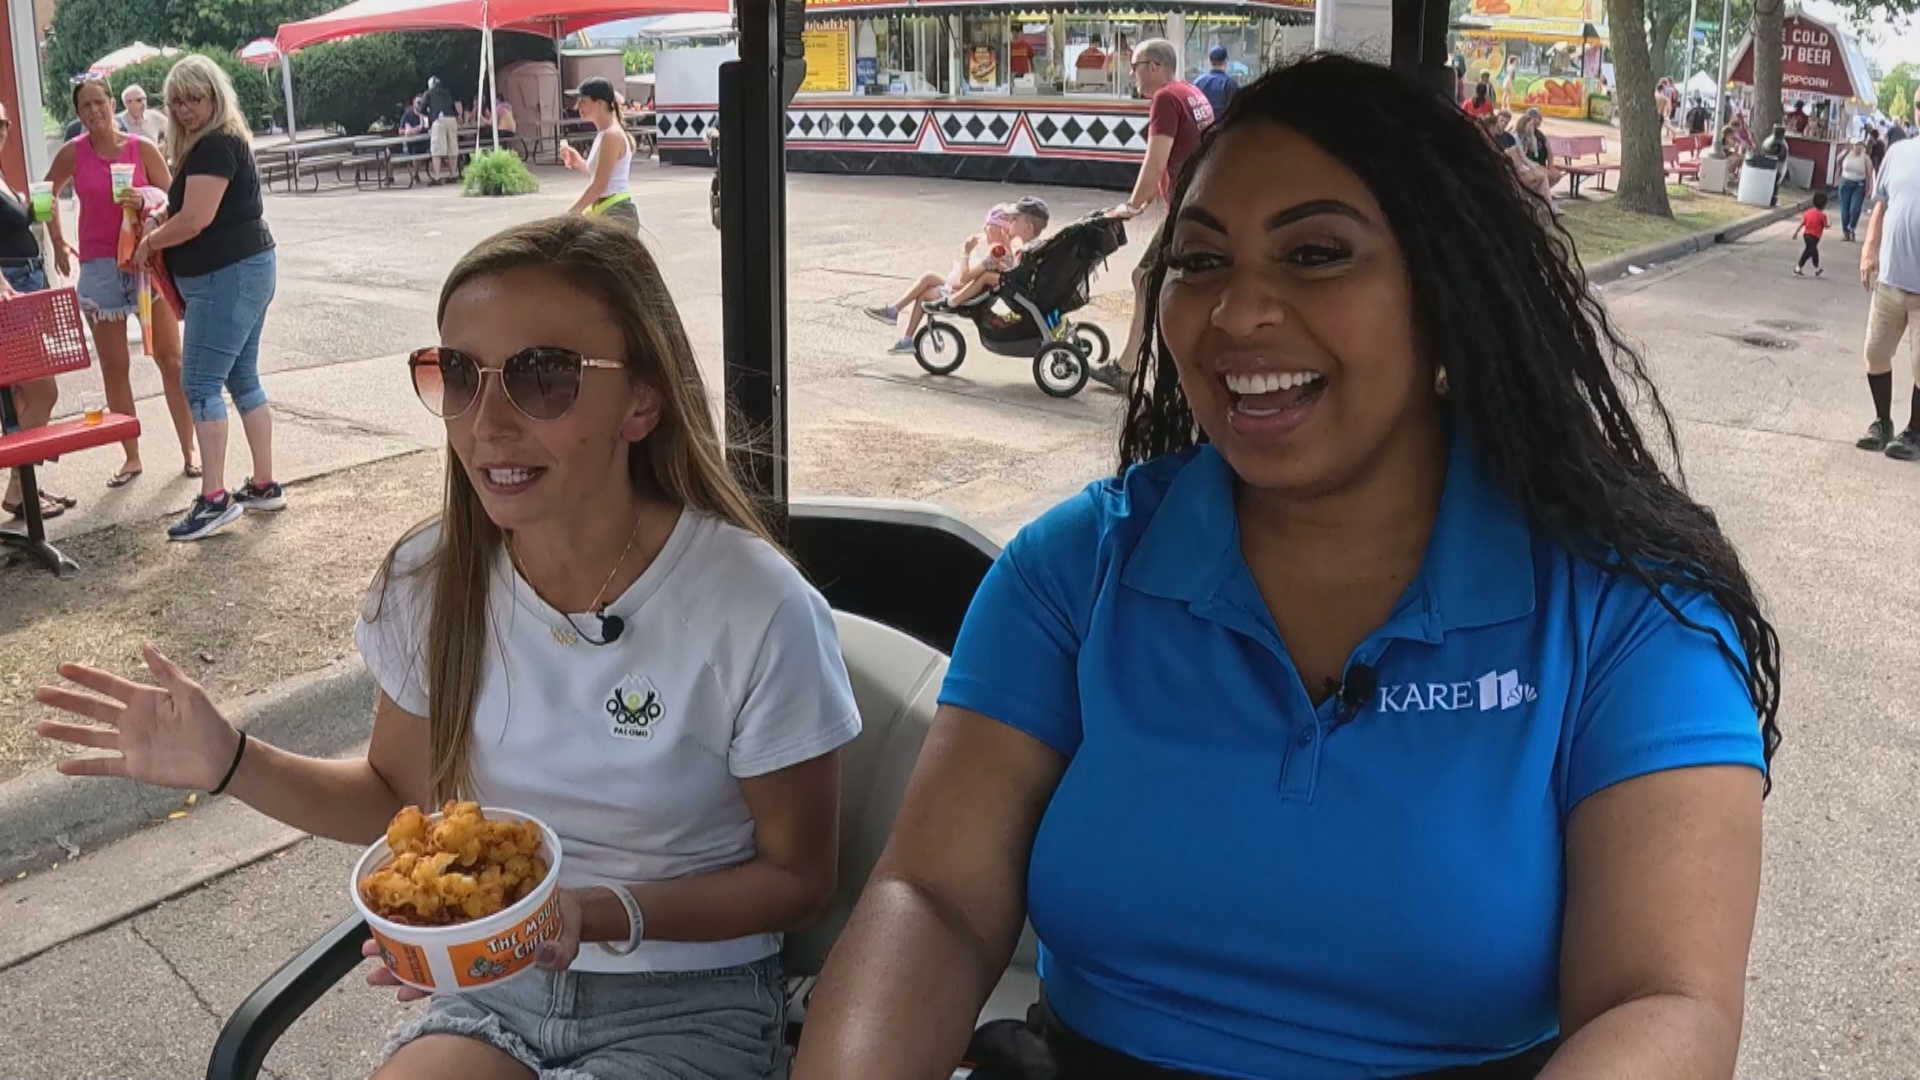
(1025,314)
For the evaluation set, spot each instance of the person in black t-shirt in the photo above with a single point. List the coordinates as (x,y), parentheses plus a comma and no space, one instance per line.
(21,271)
(220,254)
(414,122)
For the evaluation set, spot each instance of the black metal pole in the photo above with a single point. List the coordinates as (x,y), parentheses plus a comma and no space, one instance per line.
(1420,42)
(753,257)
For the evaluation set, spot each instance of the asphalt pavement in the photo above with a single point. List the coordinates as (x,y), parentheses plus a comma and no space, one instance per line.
(1760,369)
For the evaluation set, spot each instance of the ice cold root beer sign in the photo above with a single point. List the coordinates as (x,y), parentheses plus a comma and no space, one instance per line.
(1813,60)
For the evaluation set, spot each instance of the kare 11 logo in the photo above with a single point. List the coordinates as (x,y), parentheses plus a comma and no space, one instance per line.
(1496,691)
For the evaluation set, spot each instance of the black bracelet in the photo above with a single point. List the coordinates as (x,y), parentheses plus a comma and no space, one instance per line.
(238,753)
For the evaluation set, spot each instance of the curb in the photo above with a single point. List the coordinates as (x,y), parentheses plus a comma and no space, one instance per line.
(323,713)
(1615,268)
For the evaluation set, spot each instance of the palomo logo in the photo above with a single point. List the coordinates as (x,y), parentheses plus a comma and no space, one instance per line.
(1493,692)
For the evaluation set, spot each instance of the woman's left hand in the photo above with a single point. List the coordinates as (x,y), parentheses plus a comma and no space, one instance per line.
(560,953)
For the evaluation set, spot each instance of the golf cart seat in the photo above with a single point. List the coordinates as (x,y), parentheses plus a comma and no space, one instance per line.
(896,681)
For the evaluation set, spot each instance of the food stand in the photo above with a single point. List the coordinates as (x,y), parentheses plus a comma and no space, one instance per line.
(978,89)
(1821,65)
(1561,46)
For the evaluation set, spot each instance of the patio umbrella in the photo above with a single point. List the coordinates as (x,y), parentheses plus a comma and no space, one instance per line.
(127,56)
(261,53)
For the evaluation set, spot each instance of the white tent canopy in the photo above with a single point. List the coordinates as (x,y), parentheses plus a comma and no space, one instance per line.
(1701,84)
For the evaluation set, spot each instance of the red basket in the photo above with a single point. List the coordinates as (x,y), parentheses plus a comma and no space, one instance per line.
(41,334)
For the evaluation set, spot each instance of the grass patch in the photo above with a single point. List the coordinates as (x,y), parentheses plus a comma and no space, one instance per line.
(1601,230)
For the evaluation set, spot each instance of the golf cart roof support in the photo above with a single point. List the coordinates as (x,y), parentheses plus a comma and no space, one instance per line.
(753,255)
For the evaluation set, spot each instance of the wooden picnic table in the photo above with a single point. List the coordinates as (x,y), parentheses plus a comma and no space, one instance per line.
(375,156)
(287,161)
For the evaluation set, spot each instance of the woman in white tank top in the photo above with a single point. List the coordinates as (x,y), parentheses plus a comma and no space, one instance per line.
(608,193)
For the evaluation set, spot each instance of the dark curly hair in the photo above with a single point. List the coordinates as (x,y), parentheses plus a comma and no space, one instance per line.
(1535,368)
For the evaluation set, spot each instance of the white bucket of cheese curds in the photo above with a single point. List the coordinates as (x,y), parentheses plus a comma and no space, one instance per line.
(470,955)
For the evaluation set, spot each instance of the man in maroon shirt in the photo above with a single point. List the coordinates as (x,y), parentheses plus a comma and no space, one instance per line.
(1178,114)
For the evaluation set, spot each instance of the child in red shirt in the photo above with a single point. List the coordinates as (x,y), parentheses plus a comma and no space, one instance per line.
(1813,225)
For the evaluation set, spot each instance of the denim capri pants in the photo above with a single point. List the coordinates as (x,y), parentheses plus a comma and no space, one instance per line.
(226,311)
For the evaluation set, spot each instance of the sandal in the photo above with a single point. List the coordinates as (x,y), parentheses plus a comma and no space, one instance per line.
(123,478)
(192,471)
(51,506)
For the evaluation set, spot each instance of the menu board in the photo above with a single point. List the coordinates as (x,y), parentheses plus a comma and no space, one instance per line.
(829,52)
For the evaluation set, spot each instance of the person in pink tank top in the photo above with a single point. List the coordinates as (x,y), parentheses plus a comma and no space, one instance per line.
(109,295)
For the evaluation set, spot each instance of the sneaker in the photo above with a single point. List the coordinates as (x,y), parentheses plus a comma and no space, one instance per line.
(258,497)
(1797,272)
(886,314)
(1819,271)
(206,517)
(903,347)
(1878,435)
(1906,447)
(1111,377)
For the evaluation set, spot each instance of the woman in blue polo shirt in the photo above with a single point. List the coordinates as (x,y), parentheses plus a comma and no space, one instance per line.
(1392,713)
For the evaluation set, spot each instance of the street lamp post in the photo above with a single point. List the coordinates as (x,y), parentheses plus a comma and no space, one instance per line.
(1720,87)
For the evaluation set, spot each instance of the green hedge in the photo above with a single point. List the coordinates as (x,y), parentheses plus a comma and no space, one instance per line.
(260,96)
(351,84)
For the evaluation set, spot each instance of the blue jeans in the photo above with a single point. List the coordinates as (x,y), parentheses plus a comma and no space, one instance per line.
(1853,197)
(226,310)
(26,276)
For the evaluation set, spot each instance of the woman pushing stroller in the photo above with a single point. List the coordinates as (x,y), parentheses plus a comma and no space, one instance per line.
(983,258)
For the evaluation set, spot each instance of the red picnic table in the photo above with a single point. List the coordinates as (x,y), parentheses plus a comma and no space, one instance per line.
(42,335)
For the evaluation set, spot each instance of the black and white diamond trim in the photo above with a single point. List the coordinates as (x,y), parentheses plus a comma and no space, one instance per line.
(885,126)
(688,125)
(1089,131)
(964,127)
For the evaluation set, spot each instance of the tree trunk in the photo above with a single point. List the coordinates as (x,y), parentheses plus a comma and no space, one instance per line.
(1643,175)
(1769,32)
(1660,43)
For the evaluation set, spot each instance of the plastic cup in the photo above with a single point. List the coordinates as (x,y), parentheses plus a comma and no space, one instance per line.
(93,409)
(42,193)
(122,177)
(471,955)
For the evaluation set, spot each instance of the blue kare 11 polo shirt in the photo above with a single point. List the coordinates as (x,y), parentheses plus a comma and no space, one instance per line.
(1233,882)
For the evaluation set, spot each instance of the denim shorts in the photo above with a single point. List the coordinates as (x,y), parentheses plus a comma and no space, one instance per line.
(106,291)
(25,276)
(728,1024)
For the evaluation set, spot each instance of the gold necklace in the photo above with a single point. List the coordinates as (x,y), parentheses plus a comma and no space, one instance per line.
(598,607)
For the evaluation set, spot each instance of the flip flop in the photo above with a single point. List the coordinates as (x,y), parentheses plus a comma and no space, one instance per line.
(192,472)
(123,478)
(66,501)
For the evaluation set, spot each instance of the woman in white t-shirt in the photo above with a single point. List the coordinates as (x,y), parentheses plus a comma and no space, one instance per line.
(595,630)
(609,191)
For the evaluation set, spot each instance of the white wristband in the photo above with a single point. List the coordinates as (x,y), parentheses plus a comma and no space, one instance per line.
(636,922)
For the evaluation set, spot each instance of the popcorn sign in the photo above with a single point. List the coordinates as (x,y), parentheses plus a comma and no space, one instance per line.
(494,958)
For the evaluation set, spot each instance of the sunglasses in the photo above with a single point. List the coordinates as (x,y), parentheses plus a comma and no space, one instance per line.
(542,382)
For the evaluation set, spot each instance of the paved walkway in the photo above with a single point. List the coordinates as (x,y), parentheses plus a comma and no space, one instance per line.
(1767,432)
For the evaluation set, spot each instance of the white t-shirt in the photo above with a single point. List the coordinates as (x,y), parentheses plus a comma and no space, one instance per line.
(728,668)
(1899,188)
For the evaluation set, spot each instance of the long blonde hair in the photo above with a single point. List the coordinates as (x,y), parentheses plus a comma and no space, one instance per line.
(682,461)
(197,76)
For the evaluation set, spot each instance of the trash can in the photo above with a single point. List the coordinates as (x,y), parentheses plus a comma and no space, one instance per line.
(1756,180)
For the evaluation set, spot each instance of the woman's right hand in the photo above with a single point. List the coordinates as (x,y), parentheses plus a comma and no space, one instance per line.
(570,157)
(61,260)
(170,734)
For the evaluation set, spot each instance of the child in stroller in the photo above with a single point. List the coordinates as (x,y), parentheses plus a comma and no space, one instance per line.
(985,255)
(1024,312)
